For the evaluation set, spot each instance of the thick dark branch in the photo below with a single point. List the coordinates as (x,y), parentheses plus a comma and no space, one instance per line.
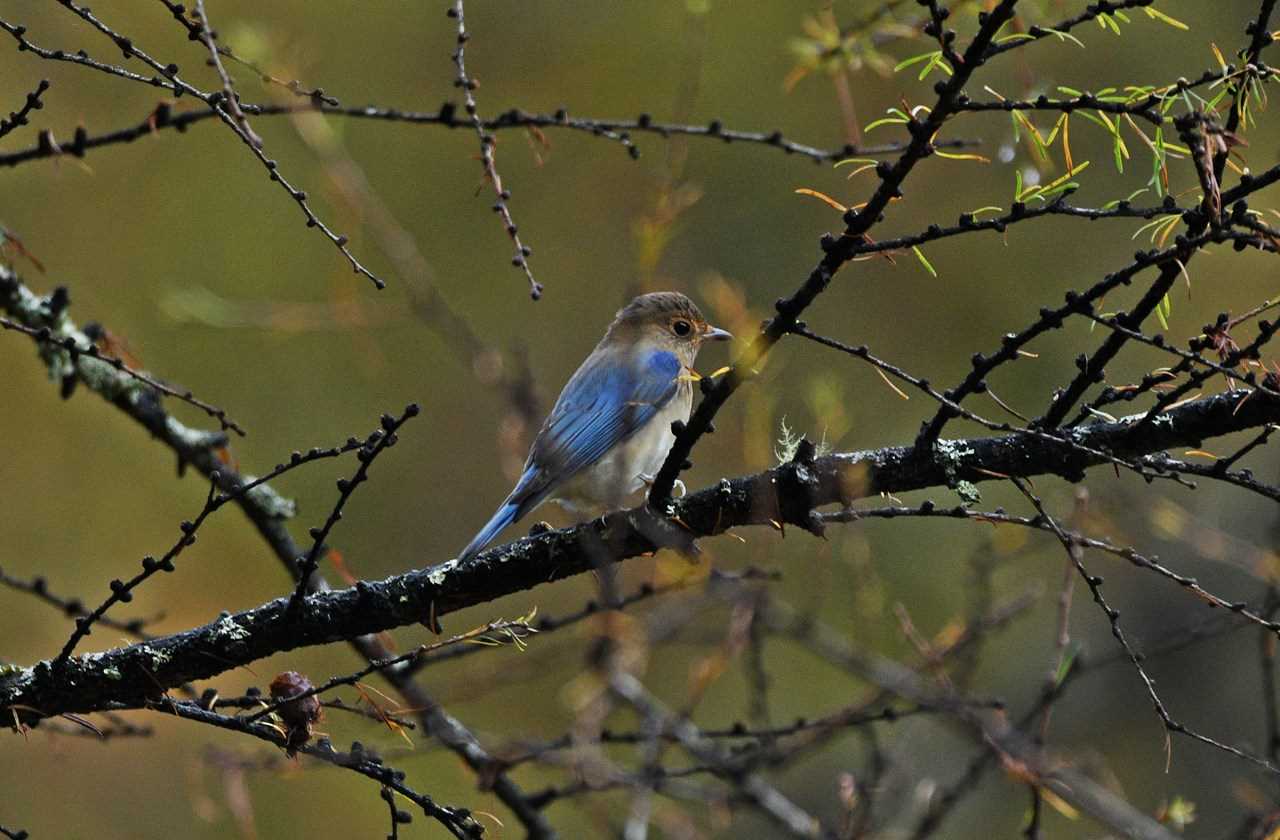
(837,251)
(788,494)
(1259,32)
(751,787)
(1093,368)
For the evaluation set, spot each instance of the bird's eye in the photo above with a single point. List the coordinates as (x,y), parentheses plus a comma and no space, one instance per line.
(682,328)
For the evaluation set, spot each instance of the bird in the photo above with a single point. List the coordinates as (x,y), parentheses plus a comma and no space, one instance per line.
(610,429)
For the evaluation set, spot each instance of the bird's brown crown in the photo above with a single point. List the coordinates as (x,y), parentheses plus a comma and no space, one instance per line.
(670,310)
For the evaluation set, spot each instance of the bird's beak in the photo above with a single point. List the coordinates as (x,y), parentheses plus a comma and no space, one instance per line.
(716,334)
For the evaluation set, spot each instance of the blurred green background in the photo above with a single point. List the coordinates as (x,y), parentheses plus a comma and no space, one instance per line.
(179,244)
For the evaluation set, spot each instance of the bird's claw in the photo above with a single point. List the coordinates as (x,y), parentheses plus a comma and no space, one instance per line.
(647,480)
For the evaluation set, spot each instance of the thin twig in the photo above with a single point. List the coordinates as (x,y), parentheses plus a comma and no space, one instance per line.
(468,86)
(75,349)
(19,117)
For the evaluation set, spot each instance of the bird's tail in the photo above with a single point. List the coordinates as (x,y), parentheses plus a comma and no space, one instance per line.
(529,492)
(508,513)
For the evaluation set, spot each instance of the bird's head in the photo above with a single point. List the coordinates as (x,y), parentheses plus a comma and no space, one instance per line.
(665,320)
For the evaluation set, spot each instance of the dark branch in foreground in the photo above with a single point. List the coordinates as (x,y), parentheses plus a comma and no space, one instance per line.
(132,676)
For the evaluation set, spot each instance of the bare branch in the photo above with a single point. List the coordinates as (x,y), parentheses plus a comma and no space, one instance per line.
(785,495)
(19,117)
(487,144)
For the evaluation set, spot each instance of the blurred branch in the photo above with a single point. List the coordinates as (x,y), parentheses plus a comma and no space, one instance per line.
(72,607)
(507,373)
(853,716)
(750,786)
(1016,751)
(118,727)
(1094,582)
(458,821)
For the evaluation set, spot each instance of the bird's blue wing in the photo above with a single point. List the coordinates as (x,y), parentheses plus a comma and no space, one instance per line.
(605,402)
(602,406)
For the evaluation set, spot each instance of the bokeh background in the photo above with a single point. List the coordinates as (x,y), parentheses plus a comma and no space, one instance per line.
(179,244)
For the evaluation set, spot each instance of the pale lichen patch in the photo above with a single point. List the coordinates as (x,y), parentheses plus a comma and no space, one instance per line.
(437,575)
(228,628)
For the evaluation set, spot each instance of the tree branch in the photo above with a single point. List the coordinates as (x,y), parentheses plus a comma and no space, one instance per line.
(131,676)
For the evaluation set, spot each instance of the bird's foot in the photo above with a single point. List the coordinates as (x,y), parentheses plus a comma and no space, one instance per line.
(647,480)
(539,528)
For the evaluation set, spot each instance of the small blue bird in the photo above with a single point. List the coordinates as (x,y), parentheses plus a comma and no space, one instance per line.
(610,430)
